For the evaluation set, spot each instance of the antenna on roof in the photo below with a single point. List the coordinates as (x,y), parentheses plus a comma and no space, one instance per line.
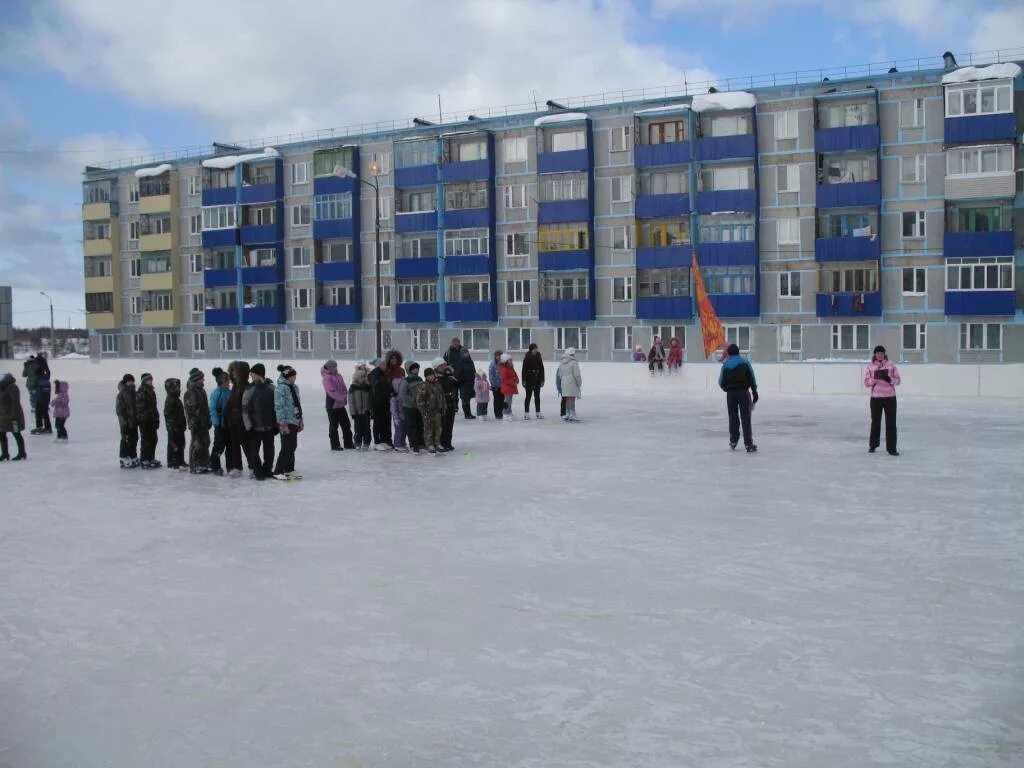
(554,106)
(421,121)
(472,117)
(219,148)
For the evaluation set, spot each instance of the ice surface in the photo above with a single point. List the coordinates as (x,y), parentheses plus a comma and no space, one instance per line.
(156,170)
(991,72)
(621,592)
(668,108)
(705,102)
(561,117)
(230,161)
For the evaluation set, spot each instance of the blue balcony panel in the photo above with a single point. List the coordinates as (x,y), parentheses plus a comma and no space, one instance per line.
(334,185)
(560,211)
(333,229)
(841,305)
(264,315)
(579,309)
(219,277)
(848,139)
(221,316)
(848,249)
(415,222)
(565,260)
(664,308)
(981,128)
(664,257)
(217,238)
(256,234)
(726,147)
(849,195)
(343,313)
(469,170)
(418,313)
(220,196)
(726,254)
(744,200)
(469,217)
(563,162)
(980,302)
(978,244)
(263,275)
(416,176)
(335,271)
(467,265)
(736,305)
(652,155)
(410,268)
(259,193)
(660,206)
(469,311)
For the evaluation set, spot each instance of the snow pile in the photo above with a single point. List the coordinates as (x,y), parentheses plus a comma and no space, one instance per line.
(667,109)
(230,161)
(156,170)
(708,102)
(991,72)
(562,117)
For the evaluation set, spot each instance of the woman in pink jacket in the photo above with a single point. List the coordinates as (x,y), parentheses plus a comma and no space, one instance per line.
(882,377)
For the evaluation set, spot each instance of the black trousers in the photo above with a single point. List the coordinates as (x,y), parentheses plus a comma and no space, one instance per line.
(238,442)
(175,448)
(880,405)
(561,406)
(264,440)
(147,431)
(339,417)
(362,436)
(43,410)
(220,443)
(18,440)
(466,396)
(535,393)
(448,425)
(413,427)
(286,458)
(129,442)
(382,424)
(738,404)
(61,431)
(499,403)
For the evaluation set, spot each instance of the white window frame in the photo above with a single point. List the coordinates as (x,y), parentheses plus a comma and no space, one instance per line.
(562,331)
(916,110)
(195,224)
(791,177)
(980,265)
(340,295)
(787,285)
(472,242)
(622,338)
(199,342)
(621,139)
(483,290)
(476,339)
(108,344)
(197,299)
(300,177)
(425,339)
(784,231)
(920,222)
(383,162)
(196,263)
(385,251)
(230,341)
(133,230)
(302,298)
(297,215)
(166,343)
(133,193)
(918,164)
(220,217)
(305,256)
(954,97)
(622,289)
(860,339)
(135,305)
(514,196)
(622,189)
(138,343)
(517,292)
(385,299)
(195,186)
(514,149)
(915,272)
(786,336)
(302,341)
(787,125)
(343,340)
(385,207)
(1004,153)
(269,341)
(511,240)
(525,338)
(919,332)
(622,237)
(738,335)
(988,331)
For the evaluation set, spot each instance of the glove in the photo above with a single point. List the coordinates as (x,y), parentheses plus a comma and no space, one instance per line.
(754,399)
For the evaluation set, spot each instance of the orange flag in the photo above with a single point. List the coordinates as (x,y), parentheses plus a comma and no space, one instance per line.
(710,326)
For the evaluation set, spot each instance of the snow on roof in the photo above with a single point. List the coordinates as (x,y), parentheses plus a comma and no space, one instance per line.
(156,170)
(230,161)
(706,102)
(662,110)
(991,72)
(561,117)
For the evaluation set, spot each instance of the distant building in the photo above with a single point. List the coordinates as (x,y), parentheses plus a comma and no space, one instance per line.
(6,323)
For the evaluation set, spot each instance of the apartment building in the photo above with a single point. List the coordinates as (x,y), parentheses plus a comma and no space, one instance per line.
(826,217)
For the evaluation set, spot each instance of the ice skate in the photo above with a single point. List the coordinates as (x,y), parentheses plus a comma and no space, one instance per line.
(732,445)
(751,448)
(539,415)
(20,457)
(526,416)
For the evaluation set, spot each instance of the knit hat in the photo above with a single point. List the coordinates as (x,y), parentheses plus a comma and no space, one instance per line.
(732,350)
(127,378)
(429,372)
(570,351)
(331,365)
(195,375)
(286,371)
(532,346)
(412,366)
(219,375)
(146,376)
(506,357)
(438,362)
(258,369)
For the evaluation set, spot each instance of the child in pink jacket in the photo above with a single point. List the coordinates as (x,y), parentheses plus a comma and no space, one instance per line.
(482,393)
(61,409)
(882,377)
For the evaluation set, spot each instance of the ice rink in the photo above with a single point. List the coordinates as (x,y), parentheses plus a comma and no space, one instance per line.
(620,592)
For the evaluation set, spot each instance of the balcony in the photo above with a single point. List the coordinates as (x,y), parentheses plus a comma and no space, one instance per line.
(569,309)
(410,268)
(217,238)
(455,266)
(468,218)
(559,211)
(469,311)
(980,303)
(261,193)
(95,211)
(101,321)
(415,222)
(981,186)
(160,242)
(740,200)
(157,281)
(468,170)
(213,278)
(662,257)
(847,248)
(842,304)
(334,229)
(335,271)
(159,318)
(221,316)
(564,162)
(653,155)
(335,185)
(220,196)
(977,244)
(102,247)
(338,314)
(263,315)
(100,284)
(418,313)
(155,204)
(661,206)
(725,254)
(712,148)
(847,139)
(416,176)
(263,275)
(664,307)
(253,234)
(562,261)
(850,195)
(974,128)
(736,305)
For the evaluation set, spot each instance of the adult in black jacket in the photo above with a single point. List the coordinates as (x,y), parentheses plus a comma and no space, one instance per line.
(737,380)
(260,420)
(237,441)
(450,389)
(465,374)
(42,406)
(533,378)
(380,406)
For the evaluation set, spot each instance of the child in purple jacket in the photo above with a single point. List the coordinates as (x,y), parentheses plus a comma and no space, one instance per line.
(482,393)
(398,417)
(61,408)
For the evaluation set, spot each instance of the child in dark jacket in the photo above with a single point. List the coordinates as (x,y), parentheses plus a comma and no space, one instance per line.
(431,402)
(359,407)
(124,407)
(218,418)
(174,422)
(61,406)
(147,414)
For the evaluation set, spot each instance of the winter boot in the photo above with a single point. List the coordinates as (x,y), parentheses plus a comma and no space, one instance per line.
(751,448)
(20,457)
(526,416)
(539,415)
(5,457)
(732,445)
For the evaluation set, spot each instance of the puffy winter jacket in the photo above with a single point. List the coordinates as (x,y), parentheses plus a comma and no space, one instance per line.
(124,406)
(11,413)
(61,402)
(218,406)
(380,387)
(737,374)
(675,353)
(569,378)
(287,406)
(334,388)
(147,410)
(494,375)
(509,379)
(174,409)
(359,395)
(450,388)
(197,407)
(258,407)
(239,384)
(430,398)
(881,387)
(482,390)
(533,369)
(656,354)
(28,372)
(408,390)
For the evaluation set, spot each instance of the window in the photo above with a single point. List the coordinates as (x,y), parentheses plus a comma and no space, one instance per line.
(979,161)
(301,215)
(302,341)
(666,332)
(231,341)
(329,207)
(517,292)
(342,295)
(738,335)
(673,281)
(385,299)
(666,132)
(300,173)
(913,224)
(466,242)
(133,230)
(332,162)
(515,196)
(912,113)
(97,230)
(197,304)
(517,244)
(195,185)
(425,339)
(135,305)
(135,267)
(566,140)
(198,342)
(137,345)
(571,337)
(343,341)
(840,169)
(220,217)
(155,187)
(622,189)
(788,178)
(471,290)
(833,225)
(622,289)
(980,336)
(786,126)
(564,186)
(832,115)
(913,169)
(714,179)
(726,125)
(108,343)
(662,233)
(415,201)
(195,224)
(789,284)
(514,149)
(133,193)
(727,228)
(460,197)
(334,251)
(385,251)
(98,267)
(167,342)
(379,163)
(622,338)
(302,255)
(419,247)
(468,150)
(915,281)
(417,293)
(664,183)
(196,263)
(989,218)
(621,139)
(270,341)
(790,338)
(157,301)
(564,288)
(562,237)
(99,302)
(622,238)
(476,338)
(519,339)
(219,178)
(848,338)
(729,280)
(259,297)
(411,154)
(156,262)
(985,97)
(980,273)
(788,231)
(851,277)
(302,298)
(914,336)
(385,208)
(261,257)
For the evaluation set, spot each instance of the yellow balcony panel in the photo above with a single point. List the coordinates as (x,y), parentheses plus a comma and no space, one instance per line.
(159,281)
(101,321)
(155,204)
(159,319)
(95,211)
(99,284)
(155,242)
(98,248)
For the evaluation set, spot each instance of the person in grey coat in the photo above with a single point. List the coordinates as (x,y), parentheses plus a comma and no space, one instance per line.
(571,382)
(12,418)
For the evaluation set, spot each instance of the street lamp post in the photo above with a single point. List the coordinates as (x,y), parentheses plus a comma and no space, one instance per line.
(375,184)
(53,340)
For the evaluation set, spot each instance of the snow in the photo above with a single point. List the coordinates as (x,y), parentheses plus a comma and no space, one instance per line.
(991,72)
(623,591)
(706,102)
(668,108)
(156,170)
(561,117)
(230,161)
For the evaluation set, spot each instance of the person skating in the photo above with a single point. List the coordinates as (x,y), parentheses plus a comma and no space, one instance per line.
(570,382)
(432,404)
(450,388)
(42,407)
(656,356)
(260,422)
(124,407)
(237,437)
(147,416)
(398,437)
(197,414)
(218,418)
(12,418)
(740,386)
(380,403)
(288,411)
(674,361)
(336,399)
(509,383)
(61,407)
(533,379)
(175,424)
(465,374)
(360,406)
(494,379)
(482,393)
(882,378)
(410,386)
(28,372)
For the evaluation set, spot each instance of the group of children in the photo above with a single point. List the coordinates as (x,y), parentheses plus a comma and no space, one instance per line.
(659,359)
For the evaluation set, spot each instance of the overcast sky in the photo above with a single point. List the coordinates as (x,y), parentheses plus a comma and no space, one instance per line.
(82,81)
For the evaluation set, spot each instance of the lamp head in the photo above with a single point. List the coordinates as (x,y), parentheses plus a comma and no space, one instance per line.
(375,168)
